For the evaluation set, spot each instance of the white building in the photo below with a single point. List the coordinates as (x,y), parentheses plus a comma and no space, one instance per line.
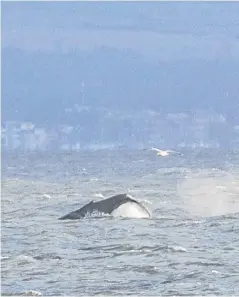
(41,138)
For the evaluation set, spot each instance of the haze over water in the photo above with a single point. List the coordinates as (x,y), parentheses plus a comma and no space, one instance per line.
(189,246)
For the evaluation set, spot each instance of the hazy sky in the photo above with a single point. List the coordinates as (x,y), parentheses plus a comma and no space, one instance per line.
(158,30)
(123,63)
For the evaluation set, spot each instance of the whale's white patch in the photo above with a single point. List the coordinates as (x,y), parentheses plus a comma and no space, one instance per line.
(130,210)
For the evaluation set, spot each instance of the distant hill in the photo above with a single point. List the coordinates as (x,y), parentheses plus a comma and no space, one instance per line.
(39,86)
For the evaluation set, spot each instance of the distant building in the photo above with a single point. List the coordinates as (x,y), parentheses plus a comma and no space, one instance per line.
(66,129)
(41,138)
(30,141)
(76,146)
(11,135)
(65,147)
(27,126)
(3,138)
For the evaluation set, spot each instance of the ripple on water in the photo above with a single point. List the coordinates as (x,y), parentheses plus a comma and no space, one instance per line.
(181,250)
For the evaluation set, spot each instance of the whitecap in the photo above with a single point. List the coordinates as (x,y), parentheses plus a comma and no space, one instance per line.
(22,259)
(178,249)
(99,195)
(32,293)
(47,196)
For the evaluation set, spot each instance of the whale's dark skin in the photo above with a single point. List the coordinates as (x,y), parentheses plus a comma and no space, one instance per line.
(106,206)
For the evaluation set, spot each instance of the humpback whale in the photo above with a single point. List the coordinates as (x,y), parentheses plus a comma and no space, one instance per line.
(119,205)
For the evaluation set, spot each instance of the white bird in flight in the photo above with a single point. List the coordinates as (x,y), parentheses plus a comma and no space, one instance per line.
(163,153)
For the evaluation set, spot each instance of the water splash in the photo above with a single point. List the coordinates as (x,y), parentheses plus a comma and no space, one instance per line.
(209,193)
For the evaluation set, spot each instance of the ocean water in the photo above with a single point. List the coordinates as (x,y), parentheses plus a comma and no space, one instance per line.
(190,246)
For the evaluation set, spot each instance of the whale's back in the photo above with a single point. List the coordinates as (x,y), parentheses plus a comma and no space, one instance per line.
(79,213)
(118,205)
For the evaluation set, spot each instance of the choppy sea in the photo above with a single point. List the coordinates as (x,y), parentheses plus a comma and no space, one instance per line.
(190,246)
